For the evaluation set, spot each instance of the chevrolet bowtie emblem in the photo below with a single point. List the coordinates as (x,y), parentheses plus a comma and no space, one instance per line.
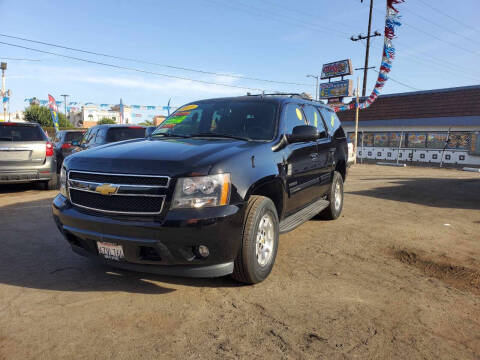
(106,189)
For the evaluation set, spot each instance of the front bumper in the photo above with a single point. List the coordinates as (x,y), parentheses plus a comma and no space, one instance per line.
(162,246)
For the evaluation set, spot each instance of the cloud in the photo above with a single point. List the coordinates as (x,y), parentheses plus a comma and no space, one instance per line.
(161,84)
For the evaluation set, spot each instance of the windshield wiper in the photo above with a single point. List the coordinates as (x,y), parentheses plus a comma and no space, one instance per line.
(229,136)
(170,135)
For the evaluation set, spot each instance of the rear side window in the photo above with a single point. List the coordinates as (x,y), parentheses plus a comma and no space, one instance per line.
(73,136)
(313,117)
(115,134)
(21,133)
(331,120)
(292,116)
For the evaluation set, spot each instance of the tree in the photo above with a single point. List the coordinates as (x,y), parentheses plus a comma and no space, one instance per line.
(41,115)
(147,123)
(104,120)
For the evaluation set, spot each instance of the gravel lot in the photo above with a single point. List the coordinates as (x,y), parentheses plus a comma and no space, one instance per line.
(396,277)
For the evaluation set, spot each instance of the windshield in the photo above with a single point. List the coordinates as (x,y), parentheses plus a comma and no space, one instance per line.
(73,136)
(115,134)
(21,133)
(241,119)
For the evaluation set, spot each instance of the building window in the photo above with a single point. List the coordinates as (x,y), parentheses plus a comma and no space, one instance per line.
(436,140)
(381,140)
(367,139)
(394,139)
(460,141)
(416,140)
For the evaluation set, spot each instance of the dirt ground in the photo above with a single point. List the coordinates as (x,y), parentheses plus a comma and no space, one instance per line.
(396,277)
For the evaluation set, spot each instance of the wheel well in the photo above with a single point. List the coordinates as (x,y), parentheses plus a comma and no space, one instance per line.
(341,167)
(274,191)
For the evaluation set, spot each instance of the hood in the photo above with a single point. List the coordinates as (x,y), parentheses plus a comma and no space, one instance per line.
(172,157)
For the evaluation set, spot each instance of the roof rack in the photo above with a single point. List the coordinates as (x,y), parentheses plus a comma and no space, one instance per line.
(303,96)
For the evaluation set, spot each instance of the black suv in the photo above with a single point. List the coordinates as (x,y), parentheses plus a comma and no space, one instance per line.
(209,192)
(108,133)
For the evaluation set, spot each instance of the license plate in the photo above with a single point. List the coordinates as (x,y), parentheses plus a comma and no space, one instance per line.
(14,155)
(110,251)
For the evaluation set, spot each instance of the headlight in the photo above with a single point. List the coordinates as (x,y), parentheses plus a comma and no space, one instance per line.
(202,191)
(63,182)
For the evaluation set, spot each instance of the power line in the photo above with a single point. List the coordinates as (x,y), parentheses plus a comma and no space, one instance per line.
(130,68)
(434,36)
(399,82)
(442,27)
(17,59)
(153,63)
(449,16)
(278,17)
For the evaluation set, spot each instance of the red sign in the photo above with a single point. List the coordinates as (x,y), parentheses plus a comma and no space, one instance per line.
(338,68)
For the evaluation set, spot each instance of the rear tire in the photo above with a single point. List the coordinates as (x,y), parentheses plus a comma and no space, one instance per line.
(257,254)
(50,184)
(335,197)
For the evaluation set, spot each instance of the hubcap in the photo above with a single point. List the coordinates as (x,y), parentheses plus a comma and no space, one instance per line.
(338,195)
(265,239)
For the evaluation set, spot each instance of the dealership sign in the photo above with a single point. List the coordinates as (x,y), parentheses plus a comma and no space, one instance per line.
(337,68)
(336,89)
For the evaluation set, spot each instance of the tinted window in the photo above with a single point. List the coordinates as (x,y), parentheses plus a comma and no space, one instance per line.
(331,119)
(252,119)
(115,134)
(292,116)
(380,140)
(21,133)
(72,136)
(313,117)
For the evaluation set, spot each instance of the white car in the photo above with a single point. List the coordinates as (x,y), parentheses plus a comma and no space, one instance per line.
(352,154)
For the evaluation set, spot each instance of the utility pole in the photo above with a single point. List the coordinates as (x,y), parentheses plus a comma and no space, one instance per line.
(367,50)
(356,124)
(317,78)
(3,66)
(65,102)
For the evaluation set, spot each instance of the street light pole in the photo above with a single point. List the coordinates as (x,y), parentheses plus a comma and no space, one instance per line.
(3,66)
(65,102)
(317,78)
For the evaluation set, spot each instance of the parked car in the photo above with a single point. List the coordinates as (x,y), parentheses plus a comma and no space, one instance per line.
(62,144)
(26,155)
(149,130)
(352,154)
(209,193)
(108,133)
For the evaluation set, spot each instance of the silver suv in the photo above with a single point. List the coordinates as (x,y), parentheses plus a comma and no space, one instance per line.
(26,155)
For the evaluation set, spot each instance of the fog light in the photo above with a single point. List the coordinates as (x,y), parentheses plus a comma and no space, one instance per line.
(203,251)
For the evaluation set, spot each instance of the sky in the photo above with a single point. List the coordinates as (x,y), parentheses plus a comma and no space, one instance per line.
(437,47)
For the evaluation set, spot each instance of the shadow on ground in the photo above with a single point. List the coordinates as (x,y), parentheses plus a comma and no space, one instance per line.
(442,193)
(33,254)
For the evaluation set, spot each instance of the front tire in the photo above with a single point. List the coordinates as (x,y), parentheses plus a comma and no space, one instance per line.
(257,254)
(335,196)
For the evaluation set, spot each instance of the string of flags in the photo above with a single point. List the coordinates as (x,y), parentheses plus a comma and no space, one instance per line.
(79,104)
(392,21)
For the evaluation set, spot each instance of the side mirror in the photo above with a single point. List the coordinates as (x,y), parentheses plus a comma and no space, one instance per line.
(322,134)
(75,143)
(303,133)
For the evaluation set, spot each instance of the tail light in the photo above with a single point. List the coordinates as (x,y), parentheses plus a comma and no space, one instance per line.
(49,149)
(66,146)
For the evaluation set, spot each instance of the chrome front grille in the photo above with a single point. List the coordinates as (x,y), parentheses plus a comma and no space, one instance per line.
(118,193)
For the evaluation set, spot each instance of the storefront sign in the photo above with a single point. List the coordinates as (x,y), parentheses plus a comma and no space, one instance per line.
(338,68)
(336,89)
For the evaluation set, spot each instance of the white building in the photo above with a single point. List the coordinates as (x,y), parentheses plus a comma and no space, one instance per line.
(89,115)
